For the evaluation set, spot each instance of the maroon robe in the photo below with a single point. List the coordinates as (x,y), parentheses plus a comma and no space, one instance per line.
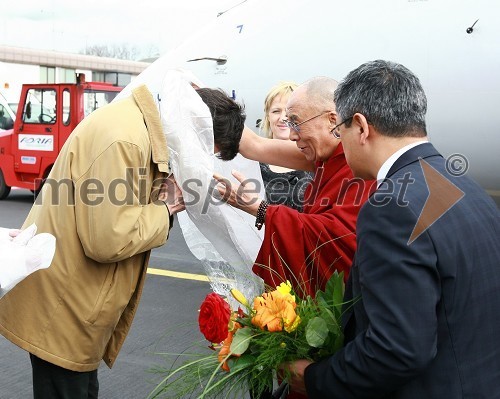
(306,248)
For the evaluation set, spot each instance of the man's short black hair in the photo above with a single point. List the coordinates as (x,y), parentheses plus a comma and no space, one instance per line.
(228,120)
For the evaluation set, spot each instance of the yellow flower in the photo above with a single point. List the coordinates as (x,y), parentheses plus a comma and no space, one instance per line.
(286,289)
(293,326)
(274,311)
(239,297)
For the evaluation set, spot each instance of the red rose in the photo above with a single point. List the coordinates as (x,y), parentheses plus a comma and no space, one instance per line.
(214,318)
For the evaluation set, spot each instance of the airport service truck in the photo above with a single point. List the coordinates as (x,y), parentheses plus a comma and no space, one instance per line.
(46,116)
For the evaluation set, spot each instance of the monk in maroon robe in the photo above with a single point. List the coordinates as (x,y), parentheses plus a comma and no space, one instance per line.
(306,248)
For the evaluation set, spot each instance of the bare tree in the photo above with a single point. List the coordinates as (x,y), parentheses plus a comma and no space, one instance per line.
(120,51)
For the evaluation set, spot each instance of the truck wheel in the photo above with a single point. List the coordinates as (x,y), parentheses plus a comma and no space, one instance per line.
(4,188)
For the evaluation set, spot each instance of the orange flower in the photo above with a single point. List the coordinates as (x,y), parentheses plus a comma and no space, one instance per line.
(275,311)
(226,347)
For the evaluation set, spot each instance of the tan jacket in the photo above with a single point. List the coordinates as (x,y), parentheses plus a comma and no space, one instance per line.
(99,202)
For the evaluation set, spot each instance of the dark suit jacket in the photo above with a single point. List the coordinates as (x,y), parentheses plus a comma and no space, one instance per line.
(427,325)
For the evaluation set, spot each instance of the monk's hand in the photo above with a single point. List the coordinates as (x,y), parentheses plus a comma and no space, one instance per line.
(296,370)
(243,195)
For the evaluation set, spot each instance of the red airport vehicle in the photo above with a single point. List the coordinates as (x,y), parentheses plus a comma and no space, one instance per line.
(46,116)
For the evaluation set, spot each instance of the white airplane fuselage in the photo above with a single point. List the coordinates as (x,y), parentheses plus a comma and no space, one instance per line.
(255,45)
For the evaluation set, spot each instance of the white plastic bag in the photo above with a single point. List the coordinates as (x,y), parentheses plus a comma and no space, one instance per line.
(23,255)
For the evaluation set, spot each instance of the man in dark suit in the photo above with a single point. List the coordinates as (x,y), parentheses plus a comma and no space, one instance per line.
(425,283)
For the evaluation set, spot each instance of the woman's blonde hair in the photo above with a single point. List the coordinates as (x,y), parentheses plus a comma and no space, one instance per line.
(281,89)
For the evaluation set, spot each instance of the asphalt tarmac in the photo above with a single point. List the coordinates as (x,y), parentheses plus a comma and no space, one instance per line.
(166,320)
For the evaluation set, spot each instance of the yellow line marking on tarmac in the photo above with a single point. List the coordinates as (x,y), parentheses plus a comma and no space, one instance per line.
(170,273)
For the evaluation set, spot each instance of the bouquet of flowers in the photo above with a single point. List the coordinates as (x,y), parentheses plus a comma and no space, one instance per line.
(248,345)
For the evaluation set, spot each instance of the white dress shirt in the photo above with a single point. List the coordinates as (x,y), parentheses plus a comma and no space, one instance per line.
(387,165)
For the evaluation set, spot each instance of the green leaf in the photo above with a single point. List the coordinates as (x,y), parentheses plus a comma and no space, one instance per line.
(334,286)
(334,292)
(237,364)
(338,291)
(241,340)
(322,301)
(339,342)
(316,332)
(331,322)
